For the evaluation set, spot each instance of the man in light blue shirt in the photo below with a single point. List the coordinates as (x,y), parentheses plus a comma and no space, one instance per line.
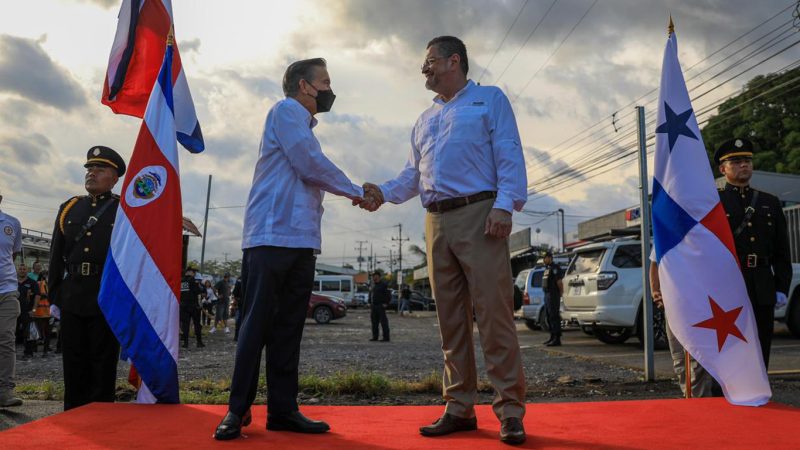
(466,164)
(281,239)
(10,246)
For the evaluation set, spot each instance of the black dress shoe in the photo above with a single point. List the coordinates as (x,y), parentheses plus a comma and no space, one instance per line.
(511,431)
(447,424)
(385,340)
(297,422)
(231,426)
(373,339)
(554,343)
(548,341)
(200,344)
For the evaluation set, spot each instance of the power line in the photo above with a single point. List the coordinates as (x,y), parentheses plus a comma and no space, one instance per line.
(740,37)
(497,80)
(555,51)
(486,67)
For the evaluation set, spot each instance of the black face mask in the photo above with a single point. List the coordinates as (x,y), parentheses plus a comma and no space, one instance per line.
(324,99)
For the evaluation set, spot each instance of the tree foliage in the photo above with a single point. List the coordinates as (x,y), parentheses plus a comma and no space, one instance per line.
(768,113)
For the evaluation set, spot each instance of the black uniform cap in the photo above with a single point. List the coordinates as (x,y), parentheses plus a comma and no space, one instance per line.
(100,155)
(546,254)
(733,148)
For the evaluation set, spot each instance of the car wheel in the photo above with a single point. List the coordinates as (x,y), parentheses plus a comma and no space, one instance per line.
(793,315)
(532,324)
(543,323)
(323,314)
(615,335)
(588,329)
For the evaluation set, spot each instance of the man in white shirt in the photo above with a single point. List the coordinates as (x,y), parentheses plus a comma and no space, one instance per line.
(466,164)
(10,246)
(281,239)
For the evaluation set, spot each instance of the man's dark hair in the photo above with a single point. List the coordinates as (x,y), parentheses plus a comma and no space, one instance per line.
(447,45)
(300,70)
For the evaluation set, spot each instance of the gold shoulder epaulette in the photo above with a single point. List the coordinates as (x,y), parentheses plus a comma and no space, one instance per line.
(66,209)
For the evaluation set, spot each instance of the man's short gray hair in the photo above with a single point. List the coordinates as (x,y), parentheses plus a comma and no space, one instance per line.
(300,70)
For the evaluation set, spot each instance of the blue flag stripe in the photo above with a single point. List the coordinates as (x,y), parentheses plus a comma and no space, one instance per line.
(670,222)
(139,341)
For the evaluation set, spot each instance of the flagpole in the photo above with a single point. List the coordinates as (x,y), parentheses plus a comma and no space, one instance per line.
(644,205)
(688,373)
(205,227)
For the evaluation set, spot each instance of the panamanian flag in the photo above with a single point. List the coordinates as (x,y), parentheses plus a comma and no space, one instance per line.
(140,287)
(705,298)
(135,61)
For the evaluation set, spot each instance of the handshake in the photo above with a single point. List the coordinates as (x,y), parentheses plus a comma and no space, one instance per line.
(373,198)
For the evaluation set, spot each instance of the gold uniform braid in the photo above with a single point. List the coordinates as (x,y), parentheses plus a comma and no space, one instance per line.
(66,209)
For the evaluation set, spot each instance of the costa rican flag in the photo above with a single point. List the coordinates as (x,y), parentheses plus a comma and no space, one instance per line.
(136,55)
(140,287)
(705,298)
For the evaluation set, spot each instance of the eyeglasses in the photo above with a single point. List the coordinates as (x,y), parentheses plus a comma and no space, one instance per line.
(429,62)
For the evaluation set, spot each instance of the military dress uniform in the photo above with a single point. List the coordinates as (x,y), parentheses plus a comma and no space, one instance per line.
(77,254)
(762,243)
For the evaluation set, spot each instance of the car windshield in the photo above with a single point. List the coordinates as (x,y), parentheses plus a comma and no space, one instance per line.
(587,262)
(521,277)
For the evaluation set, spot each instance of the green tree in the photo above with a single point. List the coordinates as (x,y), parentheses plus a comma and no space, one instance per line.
(768,113)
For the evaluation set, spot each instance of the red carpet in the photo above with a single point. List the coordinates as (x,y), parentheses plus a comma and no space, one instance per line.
(656,424)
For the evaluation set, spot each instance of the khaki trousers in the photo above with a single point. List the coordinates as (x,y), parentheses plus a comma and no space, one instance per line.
(469,270)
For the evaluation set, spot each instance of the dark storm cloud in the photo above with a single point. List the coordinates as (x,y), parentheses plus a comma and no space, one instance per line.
(28,149)
(192,45)
(28,71)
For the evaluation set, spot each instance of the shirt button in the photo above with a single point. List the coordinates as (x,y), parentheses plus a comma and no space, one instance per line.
(753,239)
(749,224)
(94,204)
(88,233)
(86,250)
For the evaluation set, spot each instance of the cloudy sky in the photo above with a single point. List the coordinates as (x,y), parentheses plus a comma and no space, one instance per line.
(585,61)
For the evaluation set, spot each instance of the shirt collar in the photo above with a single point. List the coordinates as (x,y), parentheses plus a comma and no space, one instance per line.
(730,187)
(312,121)
(438,99)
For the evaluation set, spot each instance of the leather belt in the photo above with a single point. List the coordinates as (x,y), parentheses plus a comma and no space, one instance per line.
(84,269)
(752,261)
(454,203)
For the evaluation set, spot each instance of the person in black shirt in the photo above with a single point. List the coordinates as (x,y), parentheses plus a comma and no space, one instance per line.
(28,296)
(553,289)
(760,235)
(379,297)
(190,307)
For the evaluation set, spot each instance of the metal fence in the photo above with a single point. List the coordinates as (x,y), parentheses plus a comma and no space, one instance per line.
(793,225)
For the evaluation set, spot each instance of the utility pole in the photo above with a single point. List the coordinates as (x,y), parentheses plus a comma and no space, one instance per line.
(644,205)
(400,252)
(205,227)
(225,254)
(563,235)
(360,248)
(391,262)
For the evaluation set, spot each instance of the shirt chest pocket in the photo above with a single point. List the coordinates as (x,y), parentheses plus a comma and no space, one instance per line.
(467,123)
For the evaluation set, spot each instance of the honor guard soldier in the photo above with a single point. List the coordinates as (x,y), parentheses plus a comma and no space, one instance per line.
(81,239)
(759,231)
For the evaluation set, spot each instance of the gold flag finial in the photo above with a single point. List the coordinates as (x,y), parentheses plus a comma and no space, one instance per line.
(671,27)
(171,36)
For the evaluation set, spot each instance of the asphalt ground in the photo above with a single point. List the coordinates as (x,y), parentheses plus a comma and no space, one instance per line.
(582,369)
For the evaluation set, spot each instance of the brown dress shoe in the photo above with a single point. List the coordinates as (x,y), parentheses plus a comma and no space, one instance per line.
(447,424)
(511,431)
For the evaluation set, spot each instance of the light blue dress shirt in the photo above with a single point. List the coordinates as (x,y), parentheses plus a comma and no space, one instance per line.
(10,243)
(467,145)
(284,208)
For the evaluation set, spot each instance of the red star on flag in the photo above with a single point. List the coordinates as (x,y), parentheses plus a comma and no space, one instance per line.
(723,322)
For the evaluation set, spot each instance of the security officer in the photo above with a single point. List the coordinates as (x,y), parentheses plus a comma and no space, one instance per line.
(190,307)
(759,231)
(379,298)
(81,239)
(553,289)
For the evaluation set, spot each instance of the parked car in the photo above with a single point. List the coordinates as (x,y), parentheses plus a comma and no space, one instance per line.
(419,302)
(603,290)
(790,314)
(324,308)
(532,310)
(359,299)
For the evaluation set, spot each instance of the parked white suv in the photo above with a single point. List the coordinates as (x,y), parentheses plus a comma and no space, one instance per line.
(603,290)
(790,314)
